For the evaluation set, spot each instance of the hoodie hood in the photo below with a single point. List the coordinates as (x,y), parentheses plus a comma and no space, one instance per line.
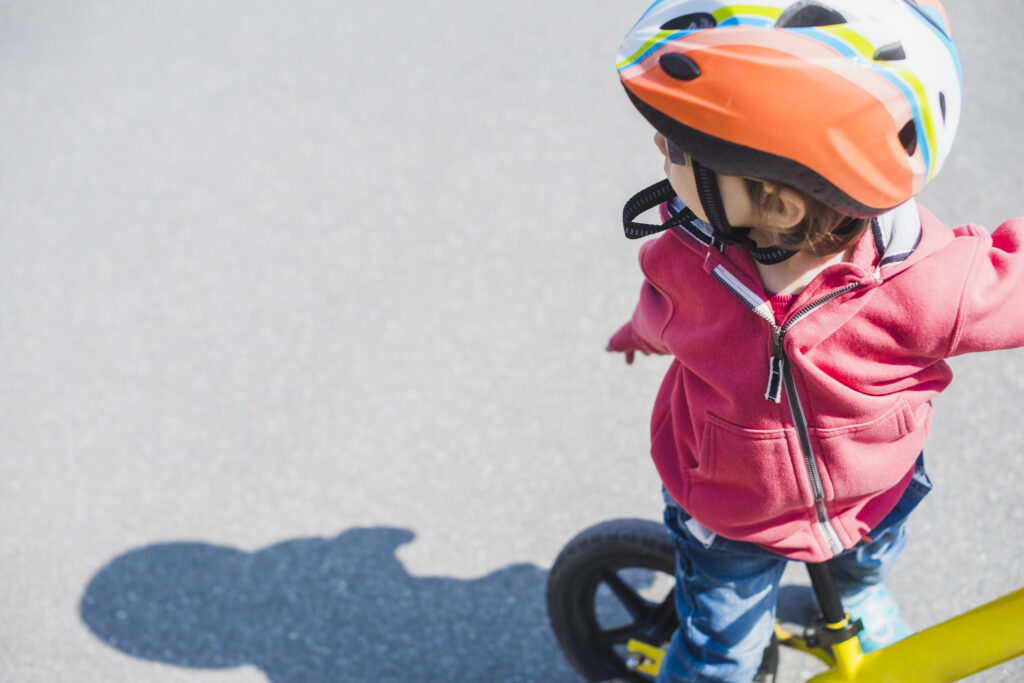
(896,238)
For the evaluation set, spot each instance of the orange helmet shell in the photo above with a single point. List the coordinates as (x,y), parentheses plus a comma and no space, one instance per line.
(835,110)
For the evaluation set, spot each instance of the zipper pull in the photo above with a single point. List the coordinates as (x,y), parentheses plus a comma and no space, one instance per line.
(774,391)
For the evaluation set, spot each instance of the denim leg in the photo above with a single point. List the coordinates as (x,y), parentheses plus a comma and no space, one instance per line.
(869,563)
(725,597)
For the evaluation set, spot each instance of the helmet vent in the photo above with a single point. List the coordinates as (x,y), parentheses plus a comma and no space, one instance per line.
(808,13)
(908,138)
(679,66)
(690,22)
(890,53)
(942,105)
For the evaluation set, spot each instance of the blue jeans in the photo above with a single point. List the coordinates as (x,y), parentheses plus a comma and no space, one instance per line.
(726,591)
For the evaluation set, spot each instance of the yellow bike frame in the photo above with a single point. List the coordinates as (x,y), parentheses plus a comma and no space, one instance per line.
(949,651)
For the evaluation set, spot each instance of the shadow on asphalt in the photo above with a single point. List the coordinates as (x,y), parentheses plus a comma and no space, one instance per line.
(316,609)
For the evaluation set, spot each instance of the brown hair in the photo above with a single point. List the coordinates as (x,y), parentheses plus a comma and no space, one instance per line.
(822,232)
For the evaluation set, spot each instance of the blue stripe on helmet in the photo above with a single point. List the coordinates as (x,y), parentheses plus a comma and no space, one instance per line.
(846,50)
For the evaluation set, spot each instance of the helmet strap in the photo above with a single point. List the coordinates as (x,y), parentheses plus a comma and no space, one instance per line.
(647,199)
(711,200)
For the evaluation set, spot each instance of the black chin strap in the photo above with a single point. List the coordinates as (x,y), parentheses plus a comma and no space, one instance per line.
(647,199)
(711,200)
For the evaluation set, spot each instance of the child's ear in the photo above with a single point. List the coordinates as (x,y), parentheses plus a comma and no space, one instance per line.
(783,207)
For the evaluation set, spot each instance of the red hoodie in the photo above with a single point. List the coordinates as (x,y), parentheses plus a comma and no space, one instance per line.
(801,434)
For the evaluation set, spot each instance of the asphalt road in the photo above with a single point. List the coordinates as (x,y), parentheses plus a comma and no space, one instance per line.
(302,316)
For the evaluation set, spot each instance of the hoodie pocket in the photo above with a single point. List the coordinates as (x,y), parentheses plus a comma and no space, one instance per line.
(865,459)
(746,477)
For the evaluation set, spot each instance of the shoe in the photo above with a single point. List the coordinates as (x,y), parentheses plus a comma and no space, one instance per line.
(878,610)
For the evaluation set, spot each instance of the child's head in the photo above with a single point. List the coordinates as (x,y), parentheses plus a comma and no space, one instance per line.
(779,214)
(850,104)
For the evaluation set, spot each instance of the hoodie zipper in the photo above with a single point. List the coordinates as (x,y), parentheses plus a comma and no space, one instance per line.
(781,375)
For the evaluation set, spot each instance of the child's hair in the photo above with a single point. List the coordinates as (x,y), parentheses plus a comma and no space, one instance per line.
(823,231)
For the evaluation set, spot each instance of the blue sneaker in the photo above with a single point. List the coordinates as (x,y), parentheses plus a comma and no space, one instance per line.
(876,607)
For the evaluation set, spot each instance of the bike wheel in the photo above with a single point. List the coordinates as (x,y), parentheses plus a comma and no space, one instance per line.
(613,582)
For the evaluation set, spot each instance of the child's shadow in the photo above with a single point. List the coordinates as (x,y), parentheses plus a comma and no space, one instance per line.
(311,610)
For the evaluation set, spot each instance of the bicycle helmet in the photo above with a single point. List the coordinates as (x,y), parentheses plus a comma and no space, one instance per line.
(853,102)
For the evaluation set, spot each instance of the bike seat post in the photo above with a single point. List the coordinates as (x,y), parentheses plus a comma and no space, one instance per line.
(826,592)
(839,633)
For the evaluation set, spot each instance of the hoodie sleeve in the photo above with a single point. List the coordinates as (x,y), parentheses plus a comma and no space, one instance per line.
(644,330)
(991,314)
(638,334)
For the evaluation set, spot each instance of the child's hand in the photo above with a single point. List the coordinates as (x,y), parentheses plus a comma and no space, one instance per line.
(626,341)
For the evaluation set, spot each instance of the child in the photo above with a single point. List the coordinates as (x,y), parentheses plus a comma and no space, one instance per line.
(807,301)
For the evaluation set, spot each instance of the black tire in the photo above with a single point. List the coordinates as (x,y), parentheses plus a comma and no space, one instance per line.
(615,562)
(628,558)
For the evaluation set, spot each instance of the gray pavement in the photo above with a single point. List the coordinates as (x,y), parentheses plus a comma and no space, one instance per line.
(302,315)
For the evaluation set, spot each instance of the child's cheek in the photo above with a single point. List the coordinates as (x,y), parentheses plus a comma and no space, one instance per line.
(681,178)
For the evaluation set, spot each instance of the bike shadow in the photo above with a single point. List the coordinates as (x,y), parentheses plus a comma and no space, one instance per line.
(323,609)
